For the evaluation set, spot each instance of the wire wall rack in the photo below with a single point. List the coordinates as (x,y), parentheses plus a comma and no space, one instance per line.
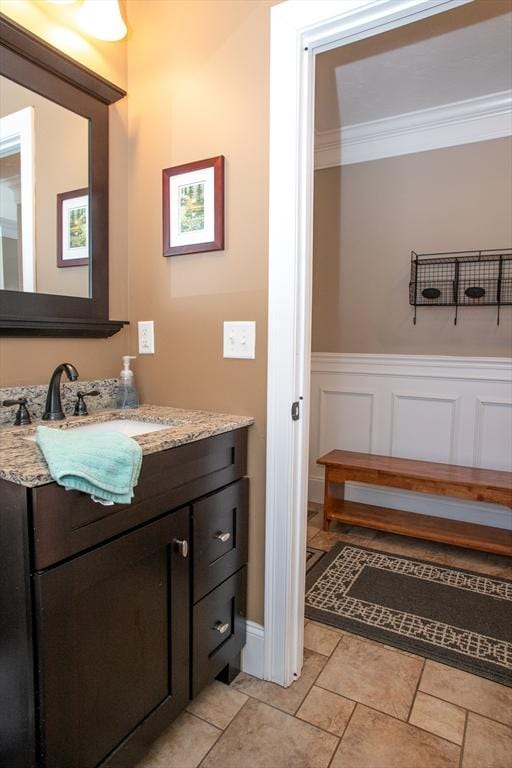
(461,279)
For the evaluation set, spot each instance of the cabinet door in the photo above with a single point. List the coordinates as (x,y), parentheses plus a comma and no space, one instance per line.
(113,643)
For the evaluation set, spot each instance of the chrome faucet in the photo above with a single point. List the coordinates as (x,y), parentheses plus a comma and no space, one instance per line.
(53,408)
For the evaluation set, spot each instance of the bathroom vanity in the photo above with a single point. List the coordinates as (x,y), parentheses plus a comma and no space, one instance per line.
(113,617)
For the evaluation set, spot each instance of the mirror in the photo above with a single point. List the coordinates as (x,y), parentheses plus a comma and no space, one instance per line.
(53,191)
(44,201)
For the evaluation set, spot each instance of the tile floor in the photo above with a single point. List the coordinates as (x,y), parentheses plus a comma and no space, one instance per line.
(358,704)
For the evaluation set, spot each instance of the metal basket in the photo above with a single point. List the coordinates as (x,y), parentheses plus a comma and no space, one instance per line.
(461,278)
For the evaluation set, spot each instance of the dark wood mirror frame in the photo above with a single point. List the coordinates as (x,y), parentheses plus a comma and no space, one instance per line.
(29,61)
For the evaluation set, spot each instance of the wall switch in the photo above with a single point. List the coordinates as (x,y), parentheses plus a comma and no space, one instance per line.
(146,337)
(240,339)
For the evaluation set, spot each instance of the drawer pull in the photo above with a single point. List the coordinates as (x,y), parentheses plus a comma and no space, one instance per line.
(182,546)
(222,536)
(220,627)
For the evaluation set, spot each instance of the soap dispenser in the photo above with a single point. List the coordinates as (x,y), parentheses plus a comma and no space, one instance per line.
(127,396)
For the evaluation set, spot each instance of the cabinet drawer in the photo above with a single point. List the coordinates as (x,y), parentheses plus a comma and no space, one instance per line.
(68,522)
(219,631)
(220,532)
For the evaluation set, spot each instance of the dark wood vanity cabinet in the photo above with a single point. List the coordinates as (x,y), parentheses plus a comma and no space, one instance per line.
(101,649)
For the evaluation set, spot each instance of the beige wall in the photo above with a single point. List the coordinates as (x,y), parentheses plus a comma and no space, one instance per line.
(30,361)
(198,80)
(369,216)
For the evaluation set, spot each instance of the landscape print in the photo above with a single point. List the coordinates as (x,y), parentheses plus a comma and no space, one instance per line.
(191,207)
(77,227)
(73,228)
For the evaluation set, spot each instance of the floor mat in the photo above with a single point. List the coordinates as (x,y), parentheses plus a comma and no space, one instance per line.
(457,617)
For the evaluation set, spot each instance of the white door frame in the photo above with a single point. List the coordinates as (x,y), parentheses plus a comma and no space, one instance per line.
(299,30)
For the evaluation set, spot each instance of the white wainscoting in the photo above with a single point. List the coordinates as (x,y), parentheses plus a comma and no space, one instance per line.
(449,409)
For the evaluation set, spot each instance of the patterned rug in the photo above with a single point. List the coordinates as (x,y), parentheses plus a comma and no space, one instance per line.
(312,557)
(457,617)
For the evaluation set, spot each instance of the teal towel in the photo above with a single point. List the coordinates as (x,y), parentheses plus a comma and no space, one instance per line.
(105,465)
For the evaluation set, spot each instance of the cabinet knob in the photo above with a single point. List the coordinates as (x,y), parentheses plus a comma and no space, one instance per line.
(221,536)
(220,627)
(182,546)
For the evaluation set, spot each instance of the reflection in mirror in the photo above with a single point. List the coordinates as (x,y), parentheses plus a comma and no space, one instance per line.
(17,195)
(44,202)
(11,274)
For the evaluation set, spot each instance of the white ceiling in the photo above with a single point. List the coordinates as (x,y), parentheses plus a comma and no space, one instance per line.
(453,56)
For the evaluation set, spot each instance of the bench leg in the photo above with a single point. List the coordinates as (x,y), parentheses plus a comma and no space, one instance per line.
(329,501)
(327,504)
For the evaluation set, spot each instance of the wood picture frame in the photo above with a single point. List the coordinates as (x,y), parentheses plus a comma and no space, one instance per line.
(193,207)
(70,206)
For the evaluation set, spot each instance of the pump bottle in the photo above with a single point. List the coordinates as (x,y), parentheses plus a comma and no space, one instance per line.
(127,396)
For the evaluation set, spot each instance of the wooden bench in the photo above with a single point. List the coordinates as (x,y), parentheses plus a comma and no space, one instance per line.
(421,476)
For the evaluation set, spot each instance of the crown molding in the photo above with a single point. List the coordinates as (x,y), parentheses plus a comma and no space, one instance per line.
(461,122)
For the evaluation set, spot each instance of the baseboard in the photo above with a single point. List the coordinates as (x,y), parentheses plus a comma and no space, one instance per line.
(421,503)
(253,654)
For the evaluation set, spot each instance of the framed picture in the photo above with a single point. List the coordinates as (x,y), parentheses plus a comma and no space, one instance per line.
(73,228)
(193,207)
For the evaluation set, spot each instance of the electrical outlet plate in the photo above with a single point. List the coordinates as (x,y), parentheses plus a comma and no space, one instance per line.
(146,337)
(240,339)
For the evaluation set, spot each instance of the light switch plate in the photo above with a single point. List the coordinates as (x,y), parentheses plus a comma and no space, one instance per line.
(146,337)
(240,339)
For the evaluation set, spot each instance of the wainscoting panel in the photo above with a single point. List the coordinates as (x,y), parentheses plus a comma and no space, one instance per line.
(346,416)
(493,442)
(449,409)
(423,427)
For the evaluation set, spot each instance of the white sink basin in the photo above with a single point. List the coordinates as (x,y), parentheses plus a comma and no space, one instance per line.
(128,427)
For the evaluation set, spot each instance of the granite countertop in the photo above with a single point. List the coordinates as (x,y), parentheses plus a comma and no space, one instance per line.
(22,462)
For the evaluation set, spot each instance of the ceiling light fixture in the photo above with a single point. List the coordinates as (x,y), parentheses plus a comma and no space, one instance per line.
(102,19)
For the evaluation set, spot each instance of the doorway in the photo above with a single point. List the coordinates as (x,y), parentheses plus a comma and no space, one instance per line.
(299,31)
